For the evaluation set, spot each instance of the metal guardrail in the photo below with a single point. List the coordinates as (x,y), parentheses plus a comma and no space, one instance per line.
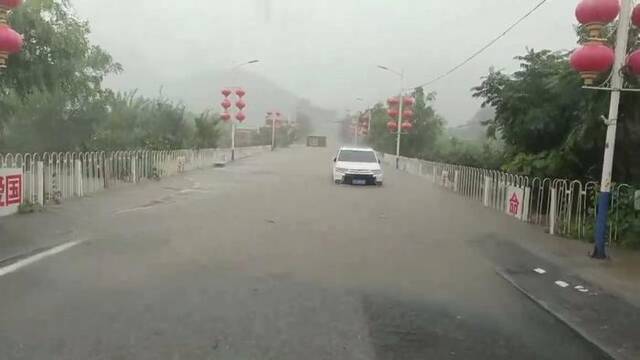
(58,176)
(565,207)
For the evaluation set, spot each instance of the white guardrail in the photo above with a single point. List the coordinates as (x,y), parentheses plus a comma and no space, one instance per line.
(565,207)
(50,177)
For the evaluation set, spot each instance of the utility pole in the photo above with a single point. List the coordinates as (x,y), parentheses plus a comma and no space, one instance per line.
(236,89)
(617,81)
(273,116)
(401,109)
(273,133)
(356,128)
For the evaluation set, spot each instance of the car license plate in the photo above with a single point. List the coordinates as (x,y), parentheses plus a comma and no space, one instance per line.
(359,182)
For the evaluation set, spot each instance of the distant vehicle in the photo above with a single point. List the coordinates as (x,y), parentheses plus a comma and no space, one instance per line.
(317,141)
(357,166)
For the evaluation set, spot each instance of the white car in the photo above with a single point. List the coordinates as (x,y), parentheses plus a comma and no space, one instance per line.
(357,166)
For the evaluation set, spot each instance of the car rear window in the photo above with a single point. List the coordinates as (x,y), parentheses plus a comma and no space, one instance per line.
(357,156)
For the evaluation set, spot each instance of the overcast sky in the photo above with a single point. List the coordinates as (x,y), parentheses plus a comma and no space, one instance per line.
(327,50)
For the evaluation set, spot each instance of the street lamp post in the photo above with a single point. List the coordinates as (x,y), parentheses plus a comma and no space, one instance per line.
(240,104)
(357,126)
(624,24)
(240,116)
(273,133)
(593,58)
(273,117)
(400,74)
(364,118)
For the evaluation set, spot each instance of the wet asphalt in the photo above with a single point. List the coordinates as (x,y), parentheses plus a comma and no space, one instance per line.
(268,259)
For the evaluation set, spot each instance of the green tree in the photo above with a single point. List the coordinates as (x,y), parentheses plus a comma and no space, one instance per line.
(165,125)
(122,129)
(206,132)
(553,127)
(57,53)
(50,95)
(427,127)
(52,99)
(420,141)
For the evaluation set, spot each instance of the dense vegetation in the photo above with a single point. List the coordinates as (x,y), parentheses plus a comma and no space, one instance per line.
(545,124)
(430,140)
(551,126)
(52,96)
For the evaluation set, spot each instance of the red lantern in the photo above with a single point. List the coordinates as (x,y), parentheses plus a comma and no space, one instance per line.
(408,101)
(226,104)
(633,62)
(226,92)
(407,126)
(225,116)
(635,17)
(394,101)
(240,116)
(6,6)
(392,126)
(407,114)
(592,59)
(10,43)
(241,104)
(10,4)
(393,113)
(240,92)
(594,14)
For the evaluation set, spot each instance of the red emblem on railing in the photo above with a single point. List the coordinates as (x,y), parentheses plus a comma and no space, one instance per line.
(514,204)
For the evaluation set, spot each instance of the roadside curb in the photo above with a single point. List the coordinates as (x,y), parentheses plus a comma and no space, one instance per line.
(581,332)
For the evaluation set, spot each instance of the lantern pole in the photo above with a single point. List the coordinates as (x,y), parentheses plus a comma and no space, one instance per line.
(604,198)
(401,109)
(357,128)
(233,139)
(233,121)
(273,130)
(399,130)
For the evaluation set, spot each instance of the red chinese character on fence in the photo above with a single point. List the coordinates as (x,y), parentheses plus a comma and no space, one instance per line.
(2,193)
(13,189)
(514,204)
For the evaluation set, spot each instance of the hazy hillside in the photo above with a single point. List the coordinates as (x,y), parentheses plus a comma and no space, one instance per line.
(200,91)
(473,129)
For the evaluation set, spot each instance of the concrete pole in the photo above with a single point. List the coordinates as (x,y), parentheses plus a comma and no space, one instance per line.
(233,139)
(617,81)
(400,119)
(356,128)
(273,132)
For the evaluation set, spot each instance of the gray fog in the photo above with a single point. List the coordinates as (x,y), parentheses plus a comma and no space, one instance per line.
(324,51)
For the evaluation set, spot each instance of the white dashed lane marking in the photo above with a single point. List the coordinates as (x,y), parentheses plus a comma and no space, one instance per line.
(132,210)
(37,257)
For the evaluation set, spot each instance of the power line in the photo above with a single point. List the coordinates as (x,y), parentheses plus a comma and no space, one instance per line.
(485,47)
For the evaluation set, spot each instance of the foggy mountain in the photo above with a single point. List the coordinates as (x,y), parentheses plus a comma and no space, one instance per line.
(473,129)
(200,91)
